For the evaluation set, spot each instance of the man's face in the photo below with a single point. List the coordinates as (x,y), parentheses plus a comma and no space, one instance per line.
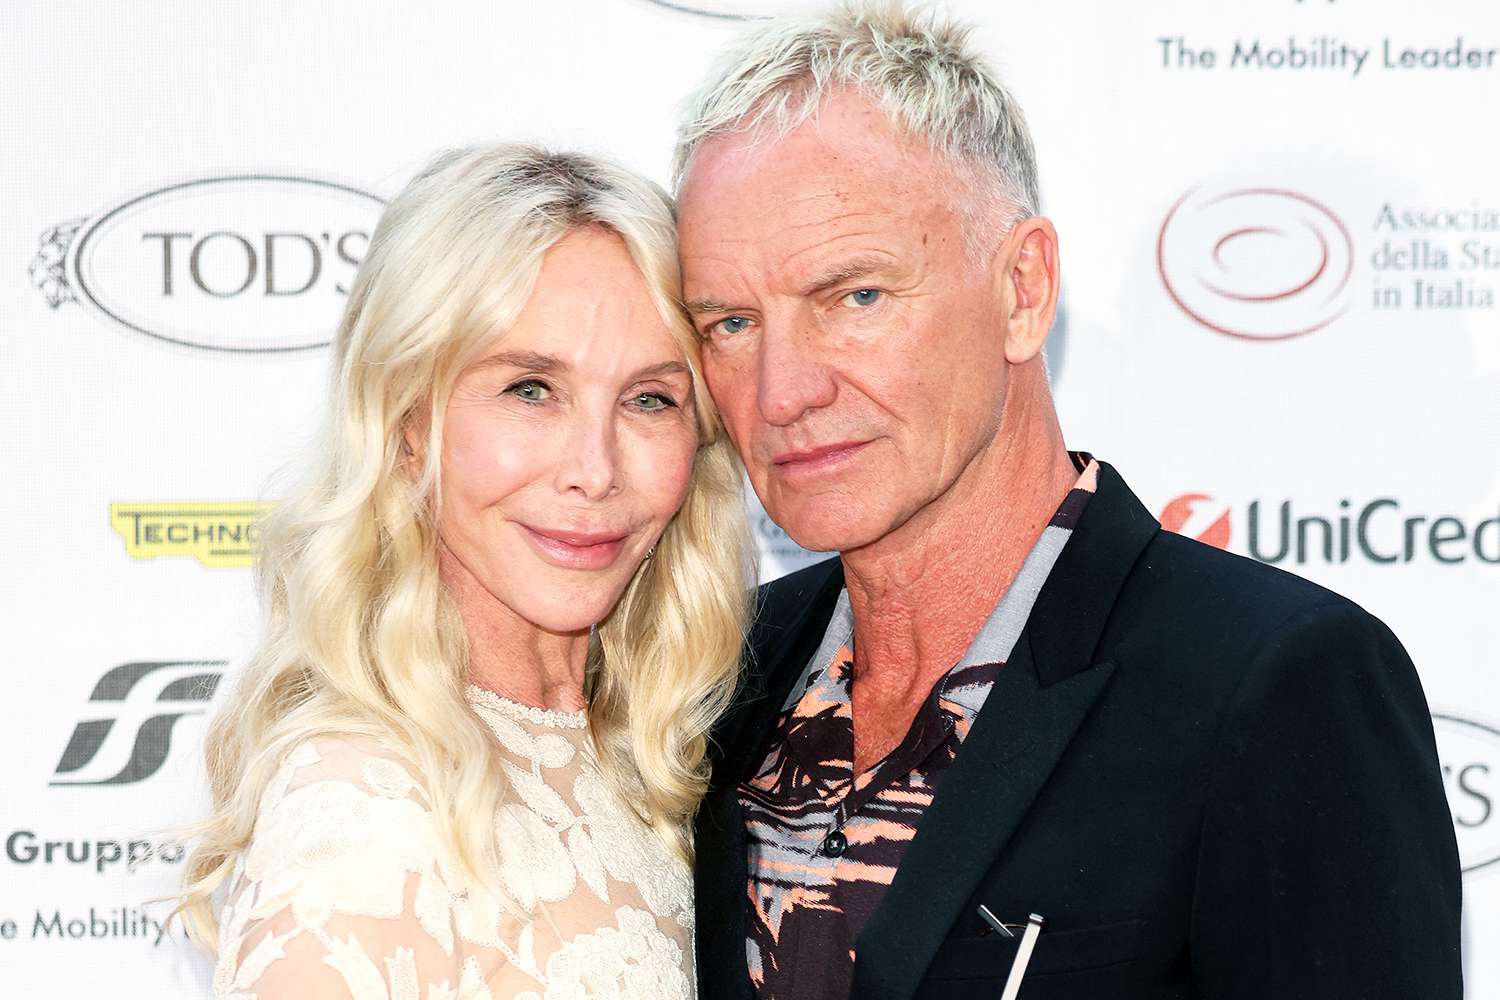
(854,347)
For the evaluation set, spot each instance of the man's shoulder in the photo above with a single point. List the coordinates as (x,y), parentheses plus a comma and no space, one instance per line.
(1191,590)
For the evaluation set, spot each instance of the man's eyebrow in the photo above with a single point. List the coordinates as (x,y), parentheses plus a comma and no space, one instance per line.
(849,270)
(531,360)
(706,305)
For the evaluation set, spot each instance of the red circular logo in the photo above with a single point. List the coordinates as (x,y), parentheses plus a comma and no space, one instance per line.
(1255,263)
(1200,516)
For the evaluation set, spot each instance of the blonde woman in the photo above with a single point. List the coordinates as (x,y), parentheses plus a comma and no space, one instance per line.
(503,611)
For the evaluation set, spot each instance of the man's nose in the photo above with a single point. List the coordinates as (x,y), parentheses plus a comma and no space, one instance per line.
(794,377)
(589,464)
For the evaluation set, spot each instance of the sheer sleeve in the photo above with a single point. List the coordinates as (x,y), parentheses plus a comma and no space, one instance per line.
(342,892)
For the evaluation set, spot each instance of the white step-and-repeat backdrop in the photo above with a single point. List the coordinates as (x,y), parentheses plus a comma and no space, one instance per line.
(1280,225)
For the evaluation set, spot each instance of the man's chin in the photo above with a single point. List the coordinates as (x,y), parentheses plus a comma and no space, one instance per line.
(827,531)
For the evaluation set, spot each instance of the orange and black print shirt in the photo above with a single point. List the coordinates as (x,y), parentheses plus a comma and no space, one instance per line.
(824,842)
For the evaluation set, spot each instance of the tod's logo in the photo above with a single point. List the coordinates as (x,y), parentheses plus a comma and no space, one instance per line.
(247,263)
(1470,755)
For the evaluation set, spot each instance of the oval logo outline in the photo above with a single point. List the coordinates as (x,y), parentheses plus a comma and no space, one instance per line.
(96,302)
(1491,736)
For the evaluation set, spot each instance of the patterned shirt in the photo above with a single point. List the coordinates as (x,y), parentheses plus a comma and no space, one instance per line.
(825,842)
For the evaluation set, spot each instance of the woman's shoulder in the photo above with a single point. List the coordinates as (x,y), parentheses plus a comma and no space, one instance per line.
(374,765)
(339,810)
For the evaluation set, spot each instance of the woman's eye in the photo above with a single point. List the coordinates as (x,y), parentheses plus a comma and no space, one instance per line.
(531,390)
(650,401)
(863,296)
(730,325)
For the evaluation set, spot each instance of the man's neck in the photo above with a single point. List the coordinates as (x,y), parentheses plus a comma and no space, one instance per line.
(921,594)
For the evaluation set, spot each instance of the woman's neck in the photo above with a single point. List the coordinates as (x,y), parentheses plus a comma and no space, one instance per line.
(511,656)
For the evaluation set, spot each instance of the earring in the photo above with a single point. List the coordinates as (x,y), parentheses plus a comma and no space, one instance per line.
(651,552)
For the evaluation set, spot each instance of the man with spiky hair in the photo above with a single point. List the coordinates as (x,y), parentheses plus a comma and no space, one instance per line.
(1012,693)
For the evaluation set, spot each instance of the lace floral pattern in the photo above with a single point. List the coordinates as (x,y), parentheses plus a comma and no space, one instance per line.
(347,891)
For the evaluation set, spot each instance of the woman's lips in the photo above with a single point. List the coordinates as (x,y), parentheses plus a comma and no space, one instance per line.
(575,549)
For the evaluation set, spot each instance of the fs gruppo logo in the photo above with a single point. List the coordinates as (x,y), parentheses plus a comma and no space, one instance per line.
(1377,531)
(217,534)
(127,733)
(1256,263)
(255,263)
(1470,755)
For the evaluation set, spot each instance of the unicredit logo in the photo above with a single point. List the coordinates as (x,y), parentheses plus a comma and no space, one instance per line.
(1379,531)
(1257,263)
(1200,516)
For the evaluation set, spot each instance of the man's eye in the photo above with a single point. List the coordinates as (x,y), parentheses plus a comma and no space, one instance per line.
(863,296)
(730,325)
(531,390)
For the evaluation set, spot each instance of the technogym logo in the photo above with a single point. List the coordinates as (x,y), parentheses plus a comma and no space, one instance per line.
(126,735)
(1378,531)
(216,533)
(253,262)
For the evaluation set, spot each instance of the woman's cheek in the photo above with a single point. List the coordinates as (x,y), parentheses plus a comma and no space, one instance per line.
(487,455)
(670,469)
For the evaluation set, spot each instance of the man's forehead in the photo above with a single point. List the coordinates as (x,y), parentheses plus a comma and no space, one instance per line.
(847,140)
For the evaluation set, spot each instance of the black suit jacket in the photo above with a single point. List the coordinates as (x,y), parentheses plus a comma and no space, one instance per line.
(1213,778)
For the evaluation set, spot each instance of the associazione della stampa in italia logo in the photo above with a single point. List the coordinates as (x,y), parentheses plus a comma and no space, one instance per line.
(250,262)
(1255,263)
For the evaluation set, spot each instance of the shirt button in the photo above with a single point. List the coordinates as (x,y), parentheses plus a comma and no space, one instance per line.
(835,844)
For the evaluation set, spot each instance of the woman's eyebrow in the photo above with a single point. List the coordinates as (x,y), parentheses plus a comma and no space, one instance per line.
(532,360)
(665,368)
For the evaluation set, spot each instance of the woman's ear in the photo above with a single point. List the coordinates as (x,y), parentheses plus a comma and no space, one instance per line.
(416,428)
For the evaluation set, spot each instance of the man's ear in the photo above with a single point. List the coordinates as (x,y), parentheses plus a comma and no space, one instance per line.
(1027,267)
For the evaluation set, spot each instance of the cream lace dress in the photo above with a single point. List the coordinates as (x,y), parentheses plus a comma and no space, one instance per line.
(345,890)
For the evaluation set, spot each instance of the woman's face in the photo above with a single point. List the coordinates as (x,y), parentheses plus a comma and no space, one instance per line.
(567,447)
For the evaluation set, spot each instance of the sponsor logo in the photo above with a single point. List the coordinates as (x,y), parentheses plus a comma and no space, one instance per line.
(1470,754)
(128,735)
(97,924)
(25,847)
(217,534)
(1200,516)
(244,263)
(1377,531)
(1256,263)
(731,10)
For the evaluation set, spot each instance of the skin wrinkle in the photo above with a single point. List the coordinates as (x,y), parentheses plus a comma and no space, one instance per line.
(941,377)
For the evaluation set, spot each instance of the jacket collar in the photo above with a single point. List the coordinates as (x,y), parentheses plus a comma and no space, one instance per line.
(1053,677)
(1040,699)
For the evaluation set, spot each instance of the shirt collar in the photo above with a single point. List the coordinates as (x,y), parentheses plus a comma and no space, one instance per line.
(1000,631)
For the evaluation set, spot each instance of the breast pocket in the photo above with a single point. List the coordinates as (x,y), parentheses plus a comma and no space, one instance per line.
(1057,953)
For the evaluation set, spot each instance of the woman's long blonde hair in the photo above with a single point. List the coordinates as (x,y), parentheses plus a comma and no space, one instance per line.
(359,636)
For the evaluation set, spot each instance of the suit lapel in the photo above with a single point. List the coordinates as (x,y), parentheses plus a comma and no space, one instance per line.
(1037,704)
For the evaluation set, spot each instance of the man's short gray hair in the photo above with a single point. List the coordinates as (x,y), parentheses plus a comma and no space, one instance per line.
(919,68)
